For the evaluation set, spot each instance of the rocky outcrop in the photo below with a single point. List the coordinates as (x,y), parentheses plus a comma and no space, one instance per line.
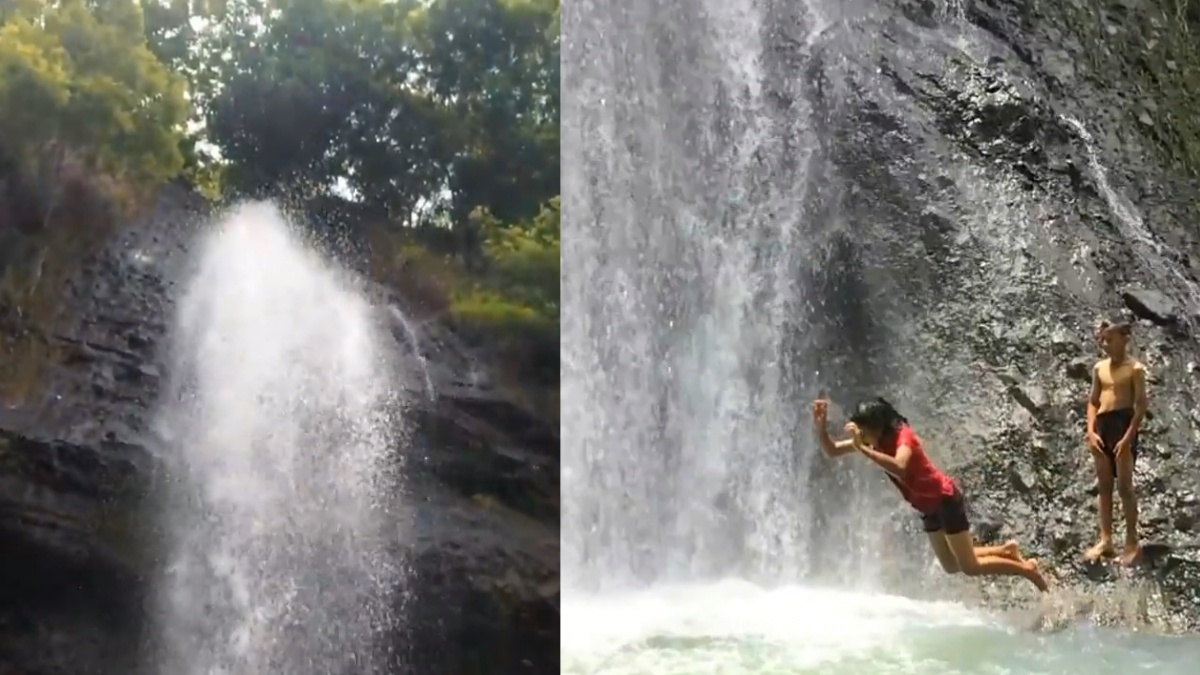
(999,203)
(80,478)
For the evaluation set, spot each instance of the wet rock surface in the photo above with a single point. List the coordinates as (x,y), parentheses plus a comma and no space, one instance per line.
(997,204)
(79,475)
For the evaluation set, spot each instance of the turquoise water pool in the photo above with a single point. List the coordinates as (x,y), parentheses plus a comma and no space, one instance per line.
(736,628)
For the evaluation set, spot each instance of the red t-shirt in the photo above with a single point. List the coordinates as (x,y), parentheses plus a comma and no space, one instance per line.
(923,485)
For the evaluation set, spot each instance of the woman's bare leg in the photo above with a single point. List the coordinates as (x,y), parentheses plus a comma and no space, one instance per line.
(1009,549)
(941,549)
(963,548)
(948,561)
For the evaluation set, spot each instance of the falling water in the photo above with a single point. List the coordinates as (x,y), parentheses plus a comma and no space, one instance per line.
(689,343)
(679,308)
(279,420)
(413,339)
(950,10)
(1149,251)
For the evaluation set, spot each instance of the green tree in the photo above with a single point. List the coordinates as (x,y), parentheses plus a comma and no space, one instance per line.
(495,65)
(92,120)
(514,307)
(525,260)
(85,80)
(423,109)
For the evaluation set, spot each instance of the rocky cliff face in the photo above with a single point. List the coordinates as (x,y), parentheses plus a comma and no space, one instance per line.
(996,195)
(79,477)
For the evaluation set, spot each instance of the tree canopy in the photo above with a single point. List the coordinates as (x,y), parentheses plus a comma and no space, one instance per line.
(438,117)
(86,79)
(424,109)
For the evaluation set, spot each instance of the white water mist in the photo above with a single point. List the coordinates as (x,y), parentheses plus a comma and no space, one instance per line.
(279,421)
(682,314)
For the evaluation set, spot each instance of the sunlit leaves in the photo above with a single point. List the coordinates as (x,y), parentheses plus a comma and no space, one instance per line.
(525,259)
(419,108)
(83,77)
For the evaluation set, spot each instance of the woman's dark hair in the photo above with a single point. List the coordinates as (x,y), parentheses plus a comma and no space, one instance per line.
(878,415)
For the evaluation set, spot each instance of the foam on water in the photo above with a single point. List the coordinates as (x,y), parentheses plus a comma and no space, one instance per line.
(654,628)
(737,628)
(278,419)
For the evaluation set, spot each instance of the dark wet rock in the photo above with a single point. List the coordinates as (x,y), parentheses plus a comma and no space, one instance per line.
(1011,378)
(1151,305)
(1154,553)
(1032,398)
(79,482)
(1065,346)
(1180,580)
(1186,519)
(74,537)
(1023,477)
(1080,369)
(986,525)
(1100,570)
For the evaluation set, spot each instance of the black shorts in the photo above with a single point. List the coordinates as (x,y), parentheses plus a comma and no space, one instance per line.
(1111,427)
(950,516)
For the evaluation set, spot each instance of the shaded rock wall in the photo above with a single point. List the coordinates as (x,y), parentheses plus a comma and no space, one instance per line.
(80,478)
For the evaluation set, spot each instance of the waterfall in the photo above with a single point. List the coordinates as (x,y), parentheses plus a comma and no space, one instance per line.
(686,330)
(279,424)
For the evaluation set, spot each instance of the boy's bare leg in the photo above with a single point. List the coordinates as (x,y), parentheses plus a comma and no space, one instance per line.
(1104,476)
(1129,507)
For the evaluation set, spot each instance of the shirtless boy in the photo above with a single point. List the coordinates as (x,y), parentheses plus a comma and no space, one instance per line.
(1115,409)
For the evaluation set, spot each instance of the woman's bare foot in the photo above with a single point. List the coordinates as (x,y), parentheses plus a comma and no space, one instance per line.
(1012,550)
(1130,554)
(1034,574)
(1101,549)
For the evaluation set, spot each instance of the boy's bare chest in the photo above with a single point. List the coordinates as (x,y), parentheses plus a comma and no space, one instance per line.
(1117,377)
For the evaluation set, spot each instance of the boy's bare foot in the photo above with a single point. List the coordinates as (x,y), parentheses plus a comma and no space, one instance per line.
(1130,554)
(1035,575)
(1101,549)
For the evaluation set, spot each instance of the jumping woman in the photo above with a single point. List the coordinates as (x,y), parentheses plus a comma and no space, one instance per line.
(883,436)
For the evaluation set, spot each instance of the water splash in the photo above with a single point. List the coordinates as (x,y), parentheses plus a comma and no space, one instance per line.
(279,419)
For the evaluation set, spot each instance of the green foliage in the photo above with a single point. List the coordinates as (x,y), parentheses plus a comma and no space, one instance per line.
(91,121)
(442,115)
(511,308)
(425,109)
(514,305)
(86,81)
(525,259)
(495,65)
(1153,54)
